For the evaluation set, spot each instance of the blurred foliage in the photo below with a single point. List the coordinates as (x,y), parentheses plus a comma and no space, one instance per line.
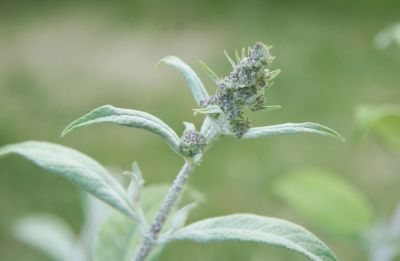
(383,120)
(60,59)
(328,202)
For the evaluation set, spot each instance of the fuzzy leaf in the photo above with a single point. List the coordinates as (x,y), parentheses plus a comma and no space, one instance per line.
(119,237)
(327,201)
(128,118)
(179,219)
(48,234)
(76,167)
(291,128)
(256,229)
(382,120)
(194,83)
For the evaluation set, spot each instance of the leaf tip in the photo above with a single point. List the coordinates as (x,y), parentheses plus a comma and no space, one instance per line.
(163,60)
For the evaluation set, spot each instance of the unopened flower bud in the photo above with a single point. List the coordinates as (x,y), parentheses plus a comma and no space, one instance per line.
(192,142)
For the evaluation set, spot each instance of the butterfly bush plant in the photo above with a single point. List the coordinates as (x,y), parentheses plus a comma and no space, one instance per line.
(146,218)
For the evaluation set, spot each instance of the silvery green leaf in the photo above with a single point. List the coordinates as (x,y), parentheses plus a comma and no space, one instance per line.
(383,120)
(76,167)
(194,83)
(230,59)
(128,118)
(189,126)
(211,109)
(243,52)
(95,213)
(137,182)
(273,74)
(237,56)
(210,72)
(179,219)
(119,237)
(255,229)
(47,233)
(328,202)
(271,107)
(291,128)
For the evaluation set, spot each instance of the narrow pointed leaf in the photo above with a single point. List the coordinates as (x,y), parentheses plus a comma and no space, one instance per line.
(243,52)
(291,128)
(189,126)
(256,229)
(76,167)
(195,85)
(230,59)
(271,107)
(212,109)
(328,202)
(210,72)
(179,220)
(47,233)
(128,118)
(237,56)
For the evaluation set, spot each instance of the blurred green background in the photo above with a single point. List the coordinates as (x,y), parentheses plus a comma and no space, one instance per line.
(59,60)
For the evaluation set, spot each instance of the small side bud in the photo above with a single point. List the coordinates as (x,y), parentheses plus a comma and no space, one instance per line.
(192,142)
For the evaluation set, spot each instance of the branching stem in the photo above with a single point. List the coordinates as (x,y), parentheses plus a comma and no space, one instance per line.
(150,238)
(165,209)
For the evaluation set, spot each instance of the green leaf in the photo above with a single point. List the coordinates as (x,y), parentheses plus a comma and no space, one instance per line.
(211,109)
(291,128)
(76,167)
(180,217)
(243,53)
(128,118)
(119,237)
(194,83)
(256,229)
(230,59)
(383,120)
(237,56)
(327,201)
(210,72)
(47,233)
(271,107)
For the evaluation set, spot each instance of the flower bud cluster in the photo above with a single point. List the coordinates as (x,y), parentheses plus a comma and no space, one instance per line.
(244,88)
(192,142)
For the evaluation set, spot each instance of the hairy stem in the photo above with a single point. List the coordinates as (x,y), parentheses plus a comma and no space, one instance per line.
(172,195)
(150,238)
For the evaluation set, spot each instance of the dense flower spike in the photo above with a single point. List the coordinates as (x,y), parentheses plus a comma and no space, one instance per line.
(244,88)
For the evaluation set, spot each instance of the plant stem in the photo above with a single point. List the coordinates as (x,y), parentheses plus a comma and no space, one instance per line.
(150,238)
(172,195)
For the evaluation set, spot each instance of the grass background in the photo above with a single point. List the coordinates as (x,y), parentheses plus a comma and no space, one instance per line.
(59,60)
